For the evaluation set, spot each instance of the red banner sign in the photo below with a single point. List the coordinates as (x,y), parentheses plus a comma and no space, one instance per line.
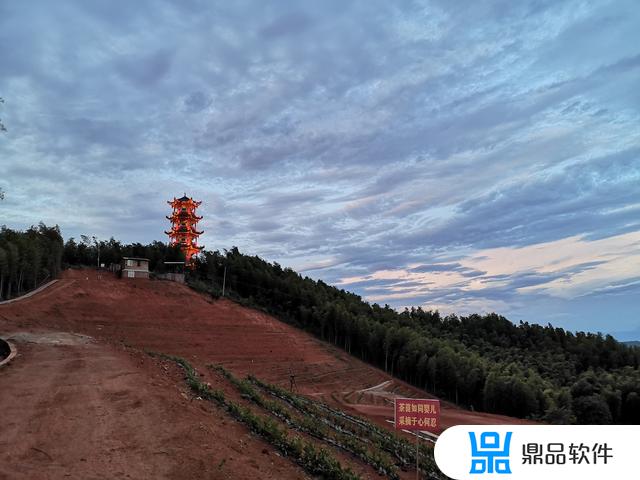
(417,414)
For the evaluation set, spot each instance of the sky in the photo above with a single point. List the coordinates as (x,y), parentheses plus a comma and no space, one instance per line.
(462,156)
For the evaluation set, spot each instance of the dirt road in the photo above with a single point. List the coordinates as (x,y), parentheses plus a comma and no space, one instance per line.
(71,407)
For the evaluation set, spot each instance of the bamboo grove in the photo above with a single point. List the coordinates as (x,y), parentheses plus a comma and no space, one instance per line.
(29,258)
(480,362)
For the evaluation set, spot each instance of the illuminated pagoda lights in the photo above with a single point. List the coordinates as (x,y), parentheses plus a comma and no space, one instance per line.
(183,231)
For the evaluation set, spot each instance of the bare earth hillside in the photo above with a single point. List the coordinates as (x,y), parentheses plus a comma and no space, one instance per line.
(82,399)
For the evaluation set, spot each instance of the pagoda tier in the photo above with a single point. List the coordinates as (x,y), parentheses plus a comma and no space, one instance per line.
(184,233)
(181,230)
(185,202)
(178,217)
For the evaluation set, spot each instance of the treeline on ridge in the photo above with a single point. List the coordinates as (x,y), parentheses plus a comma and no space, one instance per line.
(482,362)
(29,258)
(32,257)
(89,251)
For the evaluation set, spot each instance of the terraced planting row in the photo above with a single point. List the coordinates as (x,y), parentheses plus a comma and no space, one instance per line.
(379,448)
(317,428)
(403,451)
(316,461)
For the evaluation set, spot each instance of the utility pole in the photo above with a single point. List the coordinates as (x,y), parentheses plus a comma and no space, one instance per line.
(292,381)
(224,279)
(95,240)
(417,458)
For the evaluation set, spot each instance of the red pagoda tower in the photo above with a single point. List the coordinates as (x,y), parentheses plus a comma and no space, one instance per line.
(183,226)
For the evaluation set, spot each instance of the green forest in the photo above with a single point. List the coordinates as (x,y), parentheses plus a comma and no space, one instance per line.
(481,362)
(92,252)
(28,259)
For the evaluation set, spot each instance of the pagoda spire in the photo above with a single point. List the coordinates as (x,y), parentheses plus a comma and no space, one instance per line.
(184,233)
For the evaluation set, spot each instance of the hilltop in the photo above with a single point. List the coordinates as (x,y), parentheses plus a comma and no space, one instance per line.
(480,362)
(83,372)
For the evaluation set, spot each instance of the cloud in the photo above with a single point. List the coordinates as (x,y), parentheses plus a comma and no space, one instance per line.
(286,25)
(568,268)
(196,102)
(347,139)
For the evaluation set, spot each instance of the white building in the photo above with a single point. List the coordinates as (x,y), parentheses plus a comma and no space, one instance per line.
(135,267)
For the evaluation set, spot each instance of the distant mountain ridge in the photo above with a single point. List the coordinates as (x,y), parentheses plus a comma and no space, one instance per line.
(633,343)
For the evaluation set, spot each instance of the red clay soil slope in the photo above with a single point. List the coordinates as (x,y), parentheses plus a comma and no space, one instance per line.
(81,399)
(75,408)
